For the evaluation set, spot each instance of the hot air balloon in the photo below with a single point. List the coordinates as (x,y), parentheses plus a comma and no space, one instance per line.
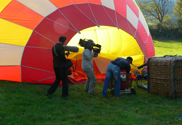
(29,29)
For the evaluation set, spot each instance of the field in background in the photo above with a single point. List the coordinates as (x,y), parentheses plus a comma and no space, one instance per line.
(168,47)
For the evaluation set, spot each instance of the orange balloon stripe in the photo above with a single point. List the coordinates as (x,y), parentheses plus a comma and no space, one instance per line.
(10,73)
(95,1)
(20,14)
(60,4)
(79,1)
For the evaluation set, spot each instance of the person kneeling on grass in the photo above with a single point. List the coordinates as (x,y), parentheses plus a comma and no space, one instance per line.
(113,70)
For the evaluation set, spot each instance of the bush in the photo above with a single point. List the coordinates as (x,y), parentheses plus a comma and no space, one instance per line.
(180,24)
(166,32)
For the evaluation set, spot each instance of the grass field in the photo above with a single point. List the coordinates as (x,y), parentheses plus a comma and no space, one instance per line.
(26,104)
(168,47)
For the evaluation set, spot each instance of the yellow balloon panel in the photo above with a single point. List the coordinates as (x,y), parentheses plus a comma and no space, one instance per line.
(14,34)
(104,40)
(129,45)
(4,3)
(90,34)
(115,43)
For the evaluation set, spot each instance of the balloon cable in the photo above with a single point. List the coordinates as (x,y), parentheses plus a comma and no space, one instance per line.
(75,63)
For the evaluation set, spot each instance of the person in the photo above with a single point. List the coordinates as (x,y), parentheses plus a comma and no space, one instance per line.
(113,70)
(143,74)
(87,66)
(59,60)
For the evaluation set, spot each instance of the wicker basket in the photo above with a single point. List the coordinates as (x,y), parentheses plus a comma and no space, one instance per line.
(165,76)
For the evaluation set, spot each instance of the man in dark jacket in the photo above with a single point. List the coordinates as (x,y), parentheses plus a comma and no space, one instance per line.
(113,70)
(59,60)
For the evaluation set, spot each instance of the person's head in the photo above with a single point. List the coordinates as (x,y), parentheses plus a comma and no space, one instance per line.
(130,59)
(62,40)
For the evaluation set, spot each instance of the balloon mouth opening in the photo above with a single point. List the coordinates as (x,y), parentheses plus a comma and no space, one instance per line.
(115,42)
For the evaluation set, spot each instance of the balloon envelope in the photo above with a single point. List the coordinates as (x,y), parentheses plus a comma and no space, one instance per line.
(29,29)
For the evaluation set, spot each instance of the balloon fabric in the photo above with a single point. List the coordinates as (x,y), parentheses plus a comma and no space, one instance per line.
(30,28)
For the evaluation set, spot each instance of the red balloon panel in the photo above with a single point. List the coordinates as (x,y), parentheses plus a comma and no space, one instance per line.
(112,15)
(142,32)
(39,76)
(37,40)
(120,7)
(53,30)
(150,47)
(85,9)
(77,18)
(123,24)
(101,15)
(132,29)
(140,43)
(38,58)
(57,19)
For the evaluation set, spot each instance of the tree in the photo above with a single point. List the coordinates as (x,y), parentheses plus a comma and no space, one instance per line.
(156,10)
(177,9)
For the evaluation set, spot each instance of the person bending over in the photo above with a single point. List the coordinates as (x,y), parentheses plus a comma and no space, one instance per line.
(113,70)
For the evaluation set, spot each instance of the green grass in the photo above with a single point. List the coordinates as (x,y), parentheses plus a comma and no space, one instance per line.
(167,47)
(26,104)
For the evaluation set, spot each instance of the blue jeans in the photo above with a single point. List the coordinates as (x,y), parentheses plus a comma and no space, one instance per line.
(112,71)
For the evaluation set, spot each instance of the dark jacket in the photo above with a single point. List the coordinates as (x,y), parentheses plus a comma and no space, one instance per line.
(58,53)
(122,63)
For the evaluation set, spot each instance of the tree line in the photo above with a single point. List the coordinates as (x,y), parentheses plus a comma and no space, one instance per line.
(163,22)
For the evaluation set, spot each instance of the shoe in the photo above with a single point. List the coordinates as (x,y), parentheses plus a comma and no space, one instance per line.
(65,96)
(133,91)
(93,94)
(104,96)
(118,97)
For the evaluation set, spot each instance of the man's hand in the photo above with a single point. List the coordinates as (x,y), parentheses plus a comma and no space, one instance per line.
(95,54)
(67,53)
(128,81)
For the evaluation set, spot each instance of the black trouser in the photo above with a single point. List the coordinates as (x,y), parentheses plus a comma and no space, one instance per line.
(60,76)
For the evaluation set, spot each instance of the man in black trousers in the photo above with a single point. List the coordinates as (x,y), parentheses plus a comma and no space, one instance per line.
(59,60)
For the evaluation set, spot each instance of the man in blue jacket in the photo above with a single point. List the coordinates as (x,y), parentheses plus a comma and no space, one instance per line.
(113,70)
